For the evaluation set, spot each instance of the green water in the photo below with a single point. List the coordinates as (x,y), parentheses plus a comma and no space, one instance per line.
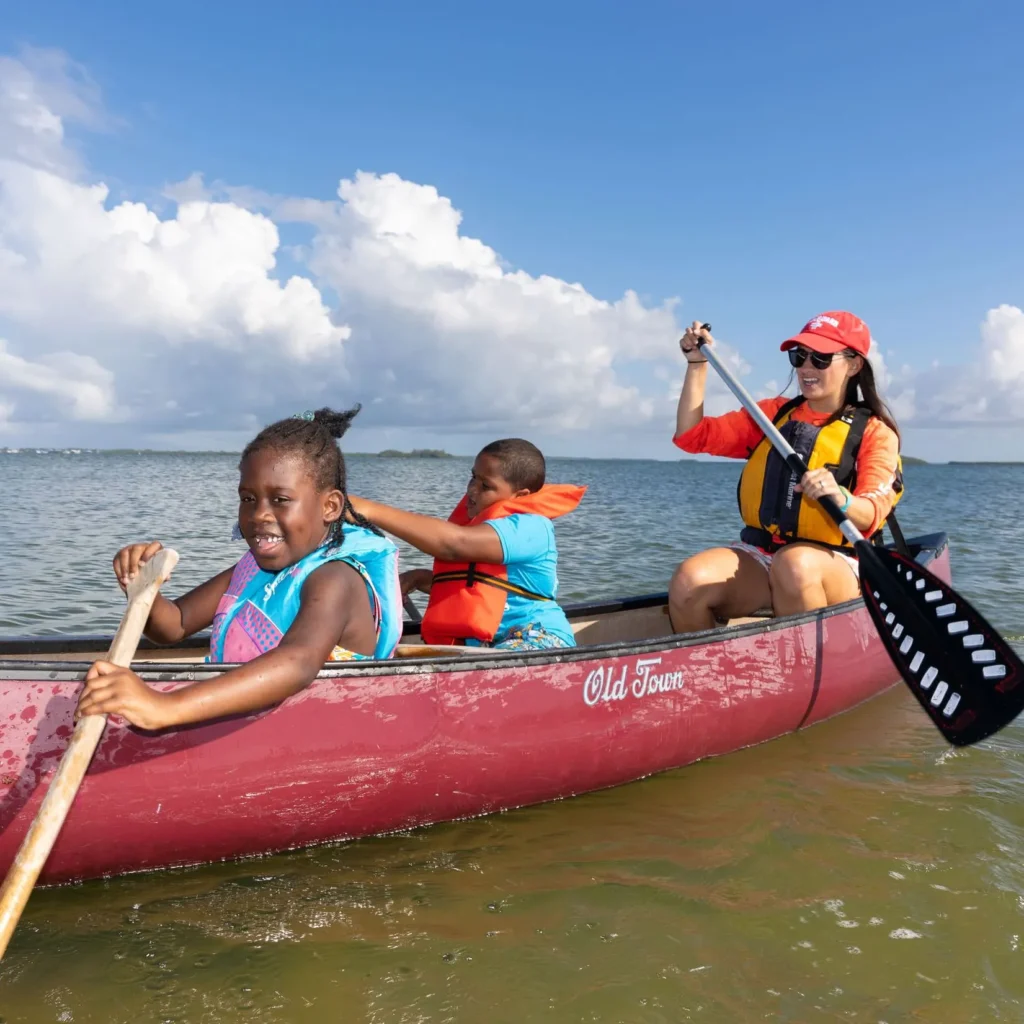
(860,871)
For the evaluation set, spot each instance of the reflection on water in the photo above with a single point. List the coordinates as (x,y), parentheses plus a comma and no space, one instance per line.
(859,871)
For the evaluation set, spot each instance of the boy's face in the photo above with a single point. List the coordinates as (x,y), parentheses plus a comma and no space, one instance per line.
(281,514)
(487,485)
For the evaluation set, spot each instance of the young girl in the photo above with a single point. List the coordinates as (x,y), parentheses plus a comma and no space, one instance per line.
(494,579)
(309,590)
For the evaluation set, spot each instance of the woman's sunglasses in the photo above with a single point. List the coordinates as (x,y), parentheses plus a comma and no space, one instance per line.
(819,360)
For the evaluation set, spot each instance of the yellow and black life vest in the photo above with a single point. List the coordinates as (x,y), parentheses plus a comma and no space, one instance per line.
(773,511)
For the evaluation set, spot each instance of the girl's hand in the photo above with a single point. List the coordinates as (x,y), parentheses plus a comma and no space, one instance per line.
(128,560)
(415,579)
(820,483)
(688,342)
(111,690)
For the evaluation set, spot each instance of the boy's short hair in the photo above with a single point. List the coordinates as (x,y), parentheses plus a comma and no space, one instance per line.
(522,463)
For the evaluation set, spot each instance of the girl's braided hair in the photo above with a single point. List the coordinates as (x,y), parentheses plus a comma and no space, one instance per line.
(313,436)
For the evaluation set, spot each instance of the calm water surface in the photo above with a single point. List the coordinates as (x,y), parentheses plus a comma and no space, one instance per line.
(860,871)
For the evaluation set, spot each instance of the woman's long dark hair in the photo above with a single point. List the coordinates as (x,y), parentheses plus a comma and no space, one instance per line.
(862,390)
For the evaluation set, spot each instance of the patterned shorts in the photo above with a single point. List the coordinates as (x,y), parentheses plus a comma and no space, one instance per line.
(764,558)
(529,638)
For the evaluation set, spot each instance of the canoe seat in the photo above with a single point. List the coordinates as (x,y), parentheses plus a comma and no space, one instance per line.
(759,616)
(621,626)
(439,651)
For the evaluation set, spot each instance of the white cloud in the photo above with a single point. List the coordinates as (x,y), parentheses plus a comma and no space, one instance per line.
(77,383)
(444,332)
(178,308)
(1002,340)
(70,263)
(177,325)
(989,389)
(39,92)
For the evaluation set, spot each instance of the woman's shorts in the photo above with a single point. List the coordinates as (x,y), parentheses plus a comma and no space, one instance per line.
(764,558)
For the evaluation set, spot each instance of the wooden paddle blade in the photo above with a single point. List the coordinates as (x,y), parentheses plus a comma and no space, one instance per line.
(46,826)
(963,673)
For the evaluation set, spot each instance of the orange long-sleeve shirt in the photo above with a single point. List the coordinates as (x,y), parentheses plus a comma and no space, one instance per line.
(735,435)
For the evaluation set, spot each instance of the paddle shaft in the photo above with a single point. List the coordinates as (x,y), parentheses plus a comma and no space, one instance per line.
(42,834)
(795,463)
(411,610)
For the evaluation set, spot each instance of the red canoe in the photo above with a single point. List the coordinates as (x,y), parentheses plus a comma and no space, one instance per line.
(429,737)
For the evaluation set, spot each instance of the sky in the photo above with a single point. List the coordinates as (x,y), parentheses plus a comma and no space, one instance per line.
(483,220)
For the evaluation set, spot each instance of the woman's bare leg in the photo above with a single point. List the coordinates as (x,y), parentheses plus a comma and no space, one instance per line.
(720,583)
(805,577)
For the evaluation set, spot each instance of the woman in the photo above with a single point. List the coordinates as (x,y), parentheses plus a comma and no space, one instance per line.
(790,555)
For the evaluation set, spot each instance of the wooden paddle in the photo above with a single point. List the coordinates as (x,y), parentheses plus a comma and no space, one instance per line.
(42,834)
(411,610)
(962,672)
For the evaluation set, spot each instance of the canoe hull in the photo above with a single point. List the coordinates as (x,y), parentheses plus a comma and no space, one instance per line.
(366,751)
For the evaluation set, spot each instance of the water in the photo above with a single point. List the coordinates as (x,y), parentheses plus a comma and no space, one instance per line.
(860,871)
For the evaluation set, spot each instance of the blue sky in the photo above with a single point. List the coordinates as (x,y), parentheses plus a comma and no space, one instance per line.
(761,163)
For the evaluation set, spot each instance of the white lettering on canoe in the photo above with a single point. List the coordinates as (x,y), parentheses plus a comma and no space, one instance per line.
(607,683)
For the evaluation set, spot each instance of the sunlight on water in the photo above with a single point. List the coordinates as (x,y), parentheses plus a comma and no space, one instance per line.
(859,871)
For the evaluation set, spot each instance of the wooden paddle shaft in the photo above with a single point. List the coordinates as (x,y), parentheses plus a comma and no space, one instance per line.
(411,610)
(43,832)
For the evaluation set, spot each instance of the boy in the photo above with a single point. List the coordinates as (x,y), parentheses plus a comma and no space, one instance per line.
(495,571)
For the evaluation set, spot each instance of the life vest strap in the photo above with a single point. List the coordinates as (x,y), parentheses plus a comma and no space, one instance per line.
(899,540)
(472,574)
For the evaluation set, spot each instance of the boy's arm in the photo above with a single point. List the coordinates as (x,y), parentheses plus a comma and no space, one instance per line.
(437,537)
(329,599)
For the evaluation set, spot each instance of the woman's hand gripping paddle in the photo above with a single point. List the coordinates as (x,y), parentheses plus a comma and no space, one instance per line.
(963,673)
(43,832)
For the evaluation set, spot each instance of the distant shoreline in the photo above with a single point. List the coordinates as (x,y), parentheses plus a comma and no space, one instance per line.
(437,453)
(416,453)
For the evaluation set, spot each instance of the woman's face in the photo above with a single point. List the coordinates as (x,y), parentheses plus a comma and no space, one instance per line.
(827,384)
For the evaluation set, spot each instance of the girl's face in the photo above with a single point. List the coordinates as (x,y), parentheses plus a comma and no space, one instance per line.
(282,515)
(487,485)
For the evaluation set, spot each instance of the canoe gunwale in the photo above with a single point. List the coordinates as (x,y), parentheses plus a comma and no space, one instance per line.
(926,548)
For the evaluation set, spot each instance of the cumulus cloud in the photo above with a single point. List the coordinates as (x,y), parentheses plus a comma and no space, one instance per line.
(177,307)
(987,390)
(430,325)
(70,262)
(40,92)
(445,333)
(178,324)
(78,383)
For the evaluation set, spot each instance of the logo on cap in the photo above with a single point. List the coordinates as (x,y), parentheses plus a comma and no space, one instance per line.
(819,320)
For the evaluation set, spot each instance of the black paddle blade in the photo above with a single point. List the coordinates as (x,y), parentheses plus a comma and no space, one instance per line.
(963,673)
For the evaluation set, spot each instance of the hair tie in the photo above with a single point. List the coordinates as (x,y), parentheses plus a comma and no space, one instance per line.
(308,415)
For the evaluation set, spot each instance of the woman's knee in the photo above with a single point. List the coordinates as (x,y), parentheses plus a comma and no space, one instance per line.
(695,576)
(796,567)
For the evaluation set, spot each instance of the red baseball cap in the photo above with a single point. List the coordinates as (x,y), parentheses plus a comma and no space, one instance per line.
(835,331)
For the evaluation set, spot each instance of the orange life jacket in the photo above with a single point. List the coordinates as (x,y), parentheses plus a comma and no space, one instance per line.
(467,599)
